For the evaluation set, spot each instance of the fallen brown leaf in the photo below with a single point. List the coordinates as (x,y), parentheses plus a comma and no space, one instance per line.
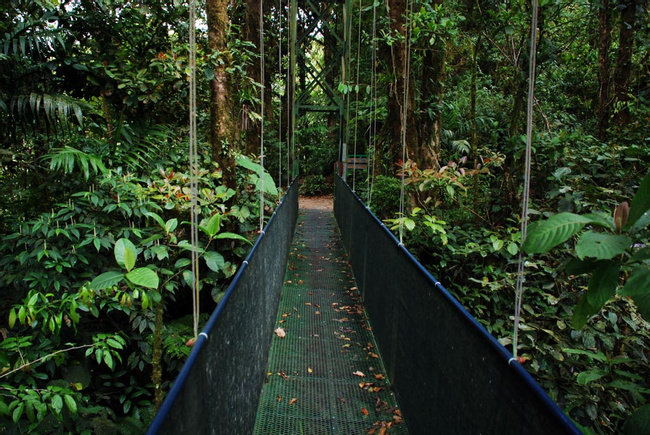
(280,332)
(358,373)
(380,377)
(364,411)
(292,401)
(279,399)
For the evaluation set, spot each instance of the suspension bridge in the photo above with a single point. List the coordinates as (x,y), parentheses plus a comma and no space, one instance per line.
(331,326)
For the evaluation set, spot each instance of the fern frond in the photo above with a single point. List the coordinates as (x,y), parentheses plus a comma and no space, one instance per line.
(68,158)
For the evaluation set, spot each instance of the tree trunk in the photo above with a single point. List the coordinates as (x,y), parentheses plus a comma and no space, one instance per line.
(623,71)
(223,131)
(604,45)
(393,127)
(253,127)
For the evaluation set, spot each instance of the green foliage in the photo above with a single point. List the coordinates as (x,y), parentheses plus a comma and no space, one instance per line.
(384,196)
(606,254)
(314,185)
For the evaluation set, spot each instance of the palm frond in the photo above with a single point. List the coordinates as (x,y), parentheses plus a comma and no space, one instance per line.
(68,159)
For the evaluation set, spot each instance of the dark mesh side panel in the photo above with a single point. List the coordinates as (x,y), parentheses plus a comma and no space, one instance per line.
(450,375)
(219,387)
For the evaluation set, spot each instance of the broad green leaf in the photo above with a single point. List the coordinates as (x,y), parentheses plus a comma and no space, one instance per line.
(154,296)
(641,255)
(114,343)
(106,280)
(161,251)
(640,203)
(269,183)
(628,386)
(209,73)
(18,412)
(143,276)
(582,312)
(409,224)
(156,217)
(70,402)
(12,318)
(125,253)
(171,225)
(591,355)
(590,375)
(638,422)
(638,288)
(233,236)
(182,262)
(601,246)
(601,219)
(184,244)
(214,260)
(547,234)
(603,283)
(213,225)
(108,360)
(579,267)
(57,403)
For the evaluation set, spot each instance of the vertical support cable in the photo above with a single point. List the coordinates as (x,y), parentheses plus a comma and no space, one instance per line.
(287,136)
(293,24)
(373,103)
(279,18)
(194,171)
(405,78)
(526,193)
(356,101)
(263,84)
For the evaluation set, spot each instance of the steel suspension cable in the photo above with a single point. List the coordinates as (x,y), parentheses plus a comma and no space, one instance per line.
(194,171)
(279,17)
(526,193)
(356,117)
(262,95)
(406,79)
(373,104)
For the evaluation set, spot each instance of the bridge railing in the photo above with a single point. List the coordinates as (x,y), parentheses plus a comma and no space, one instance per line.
(450,375)
(218,389)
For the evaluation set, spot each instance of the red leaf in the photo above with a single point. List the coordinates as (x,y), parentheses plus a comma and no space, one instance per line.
(364,411)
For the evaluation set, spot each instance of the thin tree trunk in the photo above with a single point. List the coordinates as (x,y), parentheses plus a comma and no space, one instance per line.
(623,71)
(604,65)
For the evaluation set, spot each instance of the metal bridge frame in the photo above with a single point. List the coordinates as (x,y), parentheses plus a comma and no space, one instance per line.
(317,16)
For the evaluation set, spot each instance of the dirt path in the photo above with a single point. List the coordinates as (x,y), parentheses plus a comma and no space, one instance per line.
(317,202)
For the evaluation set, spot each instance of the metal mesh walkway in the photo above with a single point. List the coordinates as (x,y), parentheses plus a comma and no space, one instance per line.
(325,374)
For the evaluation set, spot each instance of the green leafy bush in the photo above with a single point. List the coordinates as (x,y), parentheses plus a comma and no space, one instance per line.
(313,185)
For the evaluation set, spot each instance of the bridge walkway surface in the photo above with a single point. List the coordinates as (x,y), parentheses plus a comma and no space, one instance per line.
(325,374)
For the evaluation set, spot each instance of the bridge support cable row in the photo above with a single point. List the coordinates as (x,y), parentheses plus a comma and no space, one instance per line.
(218,389)
(450,375)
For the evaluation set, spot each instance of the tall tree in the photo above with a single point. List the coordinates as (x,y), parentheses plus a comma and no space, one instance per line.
(396,61)
(223,128)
